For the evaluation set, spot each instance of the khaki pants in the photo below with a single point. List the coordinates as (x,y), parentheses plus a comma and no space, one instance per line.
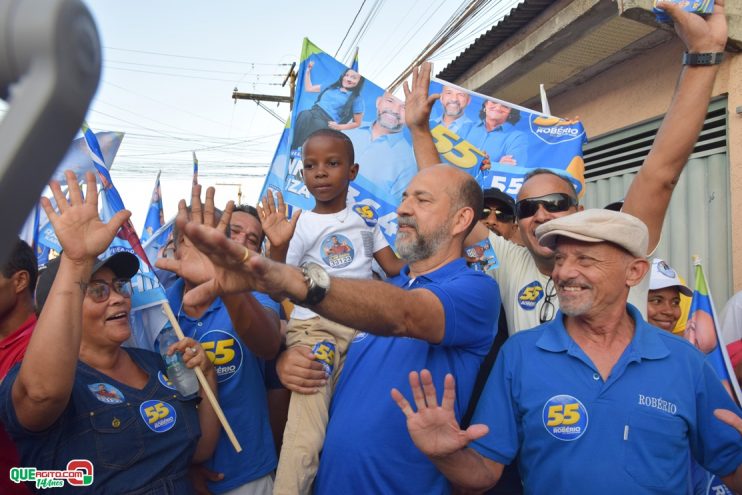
(307,419)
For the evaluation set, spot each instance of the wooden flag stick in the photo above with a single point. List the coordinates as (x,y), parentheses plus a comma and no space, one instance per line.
(204,384)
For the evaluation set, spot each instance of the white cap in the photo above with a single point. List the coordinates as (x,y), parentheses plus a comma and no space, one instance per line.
(663,275)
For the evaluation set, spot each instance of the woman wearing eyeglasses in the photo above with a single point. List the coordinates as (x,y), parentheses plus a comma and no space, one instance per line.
(79,395)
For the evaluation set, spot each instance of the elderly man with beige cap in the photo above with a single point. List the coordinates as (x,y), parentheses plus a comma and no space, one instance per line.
(595,401)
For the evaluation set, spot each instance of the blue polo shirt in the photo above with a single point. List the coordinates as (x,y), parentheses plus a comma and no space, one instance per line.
(367,448)
(334,99)
(242,394)
(501,141)
(576,433)
(387,162)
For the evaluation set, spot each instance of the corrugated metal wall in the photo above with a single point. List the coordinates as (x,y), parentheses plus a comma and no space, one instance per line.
(697,221)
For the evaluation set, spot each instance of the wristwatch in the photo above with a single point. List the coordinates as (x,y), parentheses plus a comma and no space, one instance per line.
(318,283)
(713,58)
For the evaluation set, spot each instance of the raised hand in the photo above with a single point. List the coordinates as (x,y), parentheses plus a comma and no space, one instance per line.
(700,34)
(276,226)
(418,104)
(434,428)
(79,229)
(191,264)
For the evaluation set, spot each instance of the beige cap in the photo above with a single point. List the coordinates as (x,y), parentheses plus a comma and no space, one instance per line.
(598,225)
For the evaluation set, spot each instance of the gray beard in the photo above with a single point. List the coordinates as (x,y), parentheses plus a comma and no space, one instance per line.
(422,247)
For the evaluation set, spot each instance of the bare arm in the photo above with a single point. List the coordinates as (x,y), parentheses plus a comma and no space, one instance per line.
(350,125)
(416,313)
(44,384)
(650,192)
(308,86)
(437,434)
(418,106)
(389,261)
(734,480)
(258,327)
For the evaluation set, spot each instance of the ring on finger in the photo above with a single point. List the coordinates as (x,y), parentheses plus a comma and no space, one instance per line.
(246,255)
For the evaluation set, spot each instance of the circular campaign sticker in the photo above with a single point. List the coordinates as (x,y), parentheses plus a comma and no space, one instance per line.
(337,251)
(565,417)
(225,351)
(158,415)
(530,295)
(165,381)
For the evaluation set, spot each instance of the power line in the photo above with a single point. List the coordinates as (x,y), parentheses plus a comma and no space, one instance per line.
(191,77)
(210,59)
(349,28)
(197,69)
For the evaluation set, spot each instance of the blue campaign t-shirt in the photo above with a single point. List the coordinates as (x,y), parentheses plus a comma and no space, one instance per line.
(334,99)
(575,433)
(242,394)
(501,141)
(368,448)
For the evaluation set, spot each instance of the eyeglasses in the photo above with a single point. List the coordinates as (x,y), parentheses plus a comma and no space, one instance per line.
(552,203)
(100,291)
(502,216)
(547,308)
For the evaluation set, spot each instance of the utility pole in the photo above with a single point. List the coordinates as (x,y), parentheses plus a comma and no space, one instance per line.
(239,190)
(259,98)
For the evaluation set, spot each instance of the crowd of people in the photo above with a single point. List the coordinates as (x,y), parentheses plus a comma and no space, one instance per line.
(554,370)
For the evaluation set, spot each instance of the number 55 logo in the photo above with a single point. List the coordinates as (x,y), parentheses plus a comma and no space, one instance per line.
(565,417)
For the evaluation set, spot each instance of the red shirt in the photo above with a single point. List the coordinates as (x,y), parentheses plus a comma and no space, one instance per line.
(12,350)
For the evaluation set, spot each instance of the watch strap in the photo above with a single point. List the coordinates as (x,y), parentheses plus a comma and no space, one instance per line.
(712,58)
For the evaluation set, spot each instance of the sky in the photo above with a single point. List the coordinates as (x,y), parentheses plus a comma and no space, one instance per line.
(169,69)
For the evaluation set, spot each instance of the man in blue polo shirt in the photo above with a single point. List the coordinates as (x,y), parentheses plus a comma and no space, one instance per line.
(238,332)
(438,313)
(384,155)
(595,401)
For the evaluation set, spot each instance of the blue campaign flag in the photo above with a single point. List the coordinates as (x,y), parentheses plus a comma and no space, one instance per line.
(703,331)
(195,169)
(148,296)
(497,151)
(155,215)
(158,240)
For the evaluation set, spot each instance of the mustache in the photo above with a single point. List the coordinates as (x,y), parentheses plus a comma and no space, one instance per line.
(393,114)
(573,282)
(407,222)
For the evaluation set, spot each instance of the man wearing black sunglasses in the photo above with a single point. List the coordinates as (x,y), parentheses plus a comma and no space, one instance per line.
(498,215)
(524,273)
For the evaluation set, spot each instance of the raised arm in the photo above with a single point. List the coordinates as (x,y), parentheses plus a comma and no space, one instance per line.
(44,384)
(277,227)
(418,105)
(415,313)
(437,434)
(734,480)
(308,86)
(650,192)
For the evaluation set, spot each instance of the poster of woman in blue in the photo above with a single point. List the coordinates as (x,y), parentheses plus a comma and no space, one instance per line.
(495,141)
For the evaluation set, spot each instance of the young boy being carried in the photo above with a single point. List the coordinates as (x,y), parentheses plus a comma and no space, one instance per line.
(334,238)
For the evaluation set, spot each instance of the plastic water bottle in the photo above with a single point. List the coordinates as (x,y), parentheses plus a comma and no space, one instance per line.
(183,378)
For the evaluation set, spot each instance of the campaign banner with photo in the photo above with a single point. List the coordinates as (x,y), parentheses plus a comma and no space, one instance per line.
(495,141)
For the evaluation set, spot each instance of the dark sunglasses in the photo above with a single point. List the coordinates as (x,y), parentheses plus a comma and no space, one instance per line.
(502,216)
(552,203)
(100,291)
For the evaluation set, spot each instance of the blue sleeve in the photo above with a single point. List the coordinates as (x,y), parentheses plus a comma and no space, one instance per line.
(714,444)
(497,410)
(358,106)
(267,302)
(471,306)
(517,146)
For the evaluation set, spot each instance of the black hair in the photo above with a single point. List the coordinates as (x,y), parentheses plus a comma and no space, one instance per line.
(22,258)
(541,171)
(346,112)
(249,209)
(513,118)
(332,133)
